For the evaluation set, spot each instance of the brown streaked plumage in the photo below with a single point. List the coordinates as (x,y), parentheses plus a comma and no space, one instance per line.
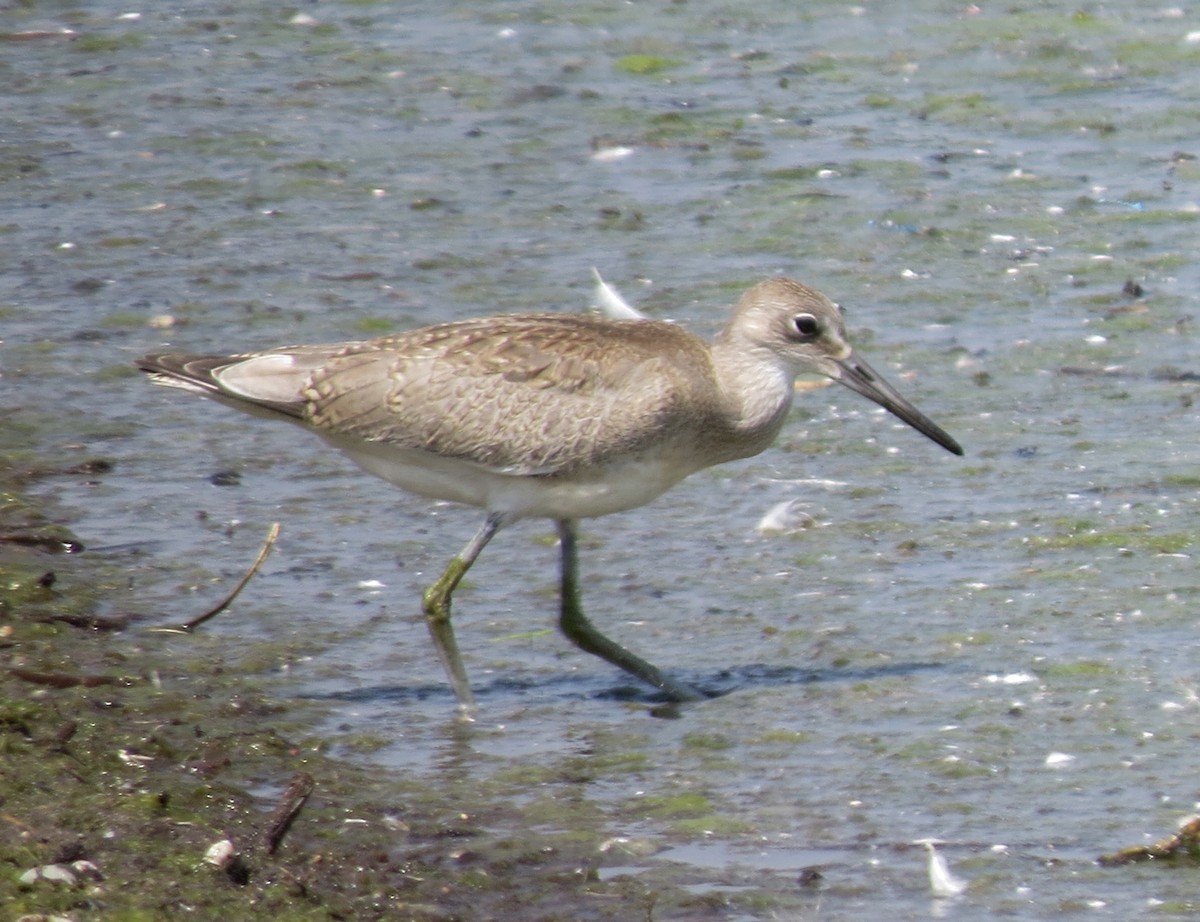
(558,416)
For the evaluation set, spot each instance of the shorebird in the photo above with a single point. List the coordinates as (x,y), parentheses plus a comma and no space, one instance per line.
(557,416)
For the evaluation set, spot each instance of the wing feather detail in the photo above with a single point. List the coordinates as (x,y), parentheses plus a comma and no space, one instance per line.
(522,394)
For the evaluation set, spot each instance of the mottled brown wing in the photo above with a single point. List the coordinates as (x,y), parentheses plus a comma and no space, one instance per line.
(527,394)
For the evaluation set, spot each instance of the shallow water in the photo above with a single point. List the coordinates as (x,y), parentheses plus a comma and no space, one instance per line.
(977,187)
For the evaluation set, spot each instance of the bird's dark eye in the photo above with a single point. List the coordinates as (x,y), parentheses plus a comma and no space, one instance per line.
(806,326)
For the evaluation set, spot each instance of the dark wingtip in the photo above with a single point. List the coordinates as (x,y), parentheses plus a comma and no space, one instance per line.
(178,369)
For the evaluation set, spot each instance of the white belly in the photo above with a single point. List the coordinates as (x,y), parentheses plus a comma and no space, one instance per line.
(597,491)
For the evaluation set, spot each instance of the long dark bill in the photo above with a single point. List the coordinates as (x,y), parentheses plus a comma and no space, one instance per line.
(861,378)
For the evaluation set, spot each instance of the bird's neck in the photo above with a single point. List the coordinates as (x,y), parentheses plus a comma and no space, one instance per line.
(757,390)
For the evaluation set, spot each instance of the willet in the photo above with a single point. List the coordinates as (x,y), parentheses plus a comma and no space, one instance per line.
(555,416)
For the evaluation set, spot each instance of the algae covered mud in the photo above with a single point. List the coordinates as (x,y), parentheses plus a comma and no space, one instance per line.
(992,653)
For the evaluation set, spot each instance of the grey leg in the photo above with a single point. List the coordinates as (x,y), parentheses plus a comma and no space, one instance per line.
(436,604)
(584,635)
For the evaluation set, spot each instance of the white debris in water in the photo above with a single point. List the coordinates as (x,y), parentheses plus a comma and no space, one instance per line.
(811,482)
(302,19)
(134,759)
(219,854)
(624,845)
(610,302)
(55,873)
(1058,760)
(609,154)
(85,868)
(1012,678)
(942,882)
(371,584)
(786,518)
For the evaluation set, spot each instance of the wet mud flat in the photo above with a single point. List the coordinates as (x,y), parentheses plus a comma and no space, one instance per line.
(995,653)
(149,775)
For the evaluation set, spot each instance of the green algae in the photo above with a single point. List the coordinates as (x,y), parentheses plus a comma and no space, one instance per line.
(1089,669)
(1138,538)
(644,65)
(94,43)
(673,806)
(959,108)
(375,326)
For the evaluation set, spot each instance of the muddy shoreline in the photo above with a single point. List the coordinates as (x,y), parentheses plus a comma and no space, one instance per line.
(128,754)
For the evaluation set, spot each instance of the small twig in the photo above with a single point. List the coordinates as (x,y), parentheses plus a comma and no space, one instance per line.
(66,680)
(188,626)
(286,811)
(52,544)
(90,622)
